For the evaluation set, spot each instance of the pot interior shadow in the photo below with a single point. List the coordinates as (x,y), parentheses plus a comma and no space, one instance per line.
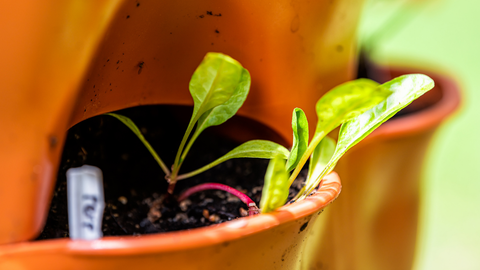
(134,183)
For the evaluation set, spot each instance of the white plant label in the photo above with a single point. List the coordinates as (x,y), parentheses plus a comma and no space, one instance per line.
(85,202)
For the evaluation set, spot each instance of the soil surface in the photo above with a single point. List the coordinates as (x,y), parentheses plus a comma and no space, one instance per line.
(135,189)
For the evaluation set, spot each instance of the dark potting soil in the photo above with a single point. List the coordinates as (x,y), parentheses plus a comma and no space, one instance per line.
(135,189)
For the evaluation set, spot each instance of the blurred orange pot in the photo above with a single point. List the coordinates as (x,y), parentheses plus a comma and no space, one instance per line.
(72,60)
(268,241)
(47,48)
(373,225)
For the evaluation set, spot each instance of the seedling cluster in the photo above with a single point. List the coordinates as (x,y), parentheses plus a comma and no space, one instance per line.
(219,87)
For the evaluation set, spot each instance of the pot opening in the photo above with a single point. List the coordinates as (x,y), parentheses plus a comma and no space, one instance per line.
(135,188)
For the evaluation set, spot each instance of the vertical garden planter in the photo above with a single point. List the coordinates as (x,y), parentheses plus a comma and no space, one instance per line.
(101,56)
(373,225)
(48,52)
(294,51)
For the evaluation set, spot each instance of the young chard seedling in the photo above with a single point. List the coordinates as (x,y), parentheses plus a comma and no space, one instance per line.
(219,86)
(359,106)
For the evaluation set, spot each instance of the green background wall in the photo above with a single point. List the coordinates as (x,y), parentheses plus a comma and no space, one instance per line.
(441,35)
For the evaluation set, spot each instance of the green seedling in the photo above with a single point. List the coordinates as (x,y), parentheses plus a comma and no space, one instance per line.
(359,106)
(220,85)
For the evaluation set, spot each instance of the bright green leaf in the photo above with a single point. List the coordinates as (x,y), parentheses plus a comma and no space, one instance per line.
(250,149)
(320,158)
(300,138)
(347,101)
(258,149)
(130,124)
(214,81)
(276,186)
(212,84)
(340,105)
(225,111)
(405,89)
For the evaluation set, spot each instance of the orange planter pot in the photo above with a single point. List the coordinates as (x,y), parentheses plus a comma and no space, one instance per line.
(70,61)
(373,225)
(47,48)
(267,241)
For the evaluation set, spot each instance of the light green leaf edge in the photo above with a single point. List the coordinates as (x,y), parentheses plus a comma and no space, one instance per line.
(405,90)
(300,138)
(250,149)
(276,186)
(131,125)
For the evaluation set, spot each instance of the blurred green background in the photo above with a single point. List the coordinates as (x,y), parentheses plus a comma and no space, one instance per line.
(443,36)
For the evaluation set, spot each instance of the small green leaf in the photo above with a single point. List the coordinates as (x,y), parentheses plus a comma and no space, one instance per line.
(276,187)
(320,158)
(130,124)
(212,84)
(258,149)
(340,105)
(405,89)
(250,149)
(300,138)
(225,111)
(347,101)
(214,81)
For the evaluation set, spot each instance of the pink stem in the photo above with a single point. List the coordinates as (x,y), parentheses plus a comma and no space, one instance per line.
(252,207)
(171,187)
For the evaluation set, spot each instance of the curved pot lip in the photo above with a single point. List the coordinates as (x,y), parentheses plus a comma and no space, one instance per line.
(188,239)
(427,118)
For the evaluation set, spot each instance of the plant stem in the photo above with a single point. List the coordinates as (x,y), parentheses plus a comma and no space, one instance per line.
(178,161)
(252,207)
(131,125)
(319,179)
(184,154)
(155,156)
(299,194)
(189,145)
(200,170)
(171,187)
(315,141)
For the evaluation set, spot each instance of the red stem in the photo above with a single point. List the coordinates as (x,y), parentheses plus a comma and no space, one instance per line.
(171,187)
(252,207)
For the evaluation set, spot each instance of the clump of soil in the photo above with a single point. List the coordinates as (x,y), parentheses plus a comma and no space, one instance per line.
(135,188)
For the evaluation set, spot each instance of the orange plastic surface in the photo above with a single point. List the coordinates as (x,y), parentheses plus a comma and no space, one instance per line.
(295,51)
(267,241)
(70,60)
(45,51)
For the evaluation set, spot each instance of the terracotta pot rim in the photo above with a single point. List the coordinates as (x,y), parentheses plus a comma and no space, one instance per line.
(426,118)
(188,239)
